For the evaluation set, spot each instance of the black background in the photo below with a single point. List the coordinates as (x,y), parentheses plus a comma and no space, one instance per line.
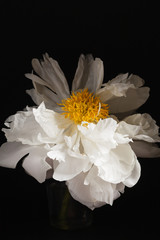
(126,36)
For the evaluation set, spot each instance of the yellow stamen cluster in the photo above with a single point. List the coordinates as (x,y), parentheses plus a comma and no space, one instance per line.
(84,106)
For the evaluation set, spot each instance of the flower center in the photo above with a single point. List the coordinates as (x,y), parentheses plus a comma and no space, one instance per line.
(84,106)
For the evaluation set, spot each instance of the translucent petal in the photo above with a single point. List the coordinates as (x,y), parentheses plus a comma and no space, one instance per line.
(49,102)
(145,149)
(124,94)
(89,74)
(50,72)
(133,100)
(41,87)
(36,97)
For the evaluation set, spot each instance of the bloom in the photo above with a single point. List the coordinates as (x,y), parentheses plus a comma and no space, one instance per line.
(88,137)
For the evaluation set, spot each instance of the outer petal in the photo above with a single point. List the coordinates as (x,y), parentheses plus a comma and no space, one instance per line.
(124,94)
(42,94)
(34,163)
(89,74)
(128,129)
(51,76)
(133,100)
(148,130)
(115,87)
(145,149)
(36,97)
(11,153)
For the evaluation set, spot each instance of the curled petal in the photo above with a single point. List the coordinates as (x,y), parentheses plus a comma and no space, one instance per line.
(119,166)
(24,128)
(148,130)
(125,128)
(49,122)
(135,175)
(100,135)
(35,126)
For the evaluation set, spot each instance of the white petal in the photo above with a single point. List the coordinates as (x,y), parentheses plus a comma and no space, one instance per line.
(58,152)
(119,165)
(125,128)
(72,166)
(89,74)
(93,195)
(98,139)
(145,149)
(81,193)
(24,128)
(49,121)
(35,163)
(12,152)
(102,132)
(148,130)
(135,175)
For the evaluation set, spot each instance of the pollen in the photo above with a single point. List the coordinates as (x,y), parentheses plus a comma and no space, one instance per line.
(84,106)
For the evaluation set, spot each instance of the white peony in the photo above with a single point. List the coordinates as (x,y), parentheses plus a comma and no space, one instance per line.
(88,137)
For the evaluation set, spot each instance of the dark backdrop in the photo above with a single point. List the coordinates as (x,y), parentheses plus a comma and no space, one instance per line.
(125,35)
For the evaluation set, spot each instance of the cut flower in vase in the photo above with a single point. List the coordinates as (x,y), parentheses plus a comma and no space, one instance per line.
(89,137)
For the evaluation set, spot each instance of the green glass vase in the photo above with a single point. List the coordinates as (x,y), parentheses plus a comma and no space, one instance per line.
(65,213)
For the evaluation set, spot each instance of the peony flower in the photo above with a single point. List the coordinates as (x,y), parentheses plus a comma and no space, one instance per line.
(89,137)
